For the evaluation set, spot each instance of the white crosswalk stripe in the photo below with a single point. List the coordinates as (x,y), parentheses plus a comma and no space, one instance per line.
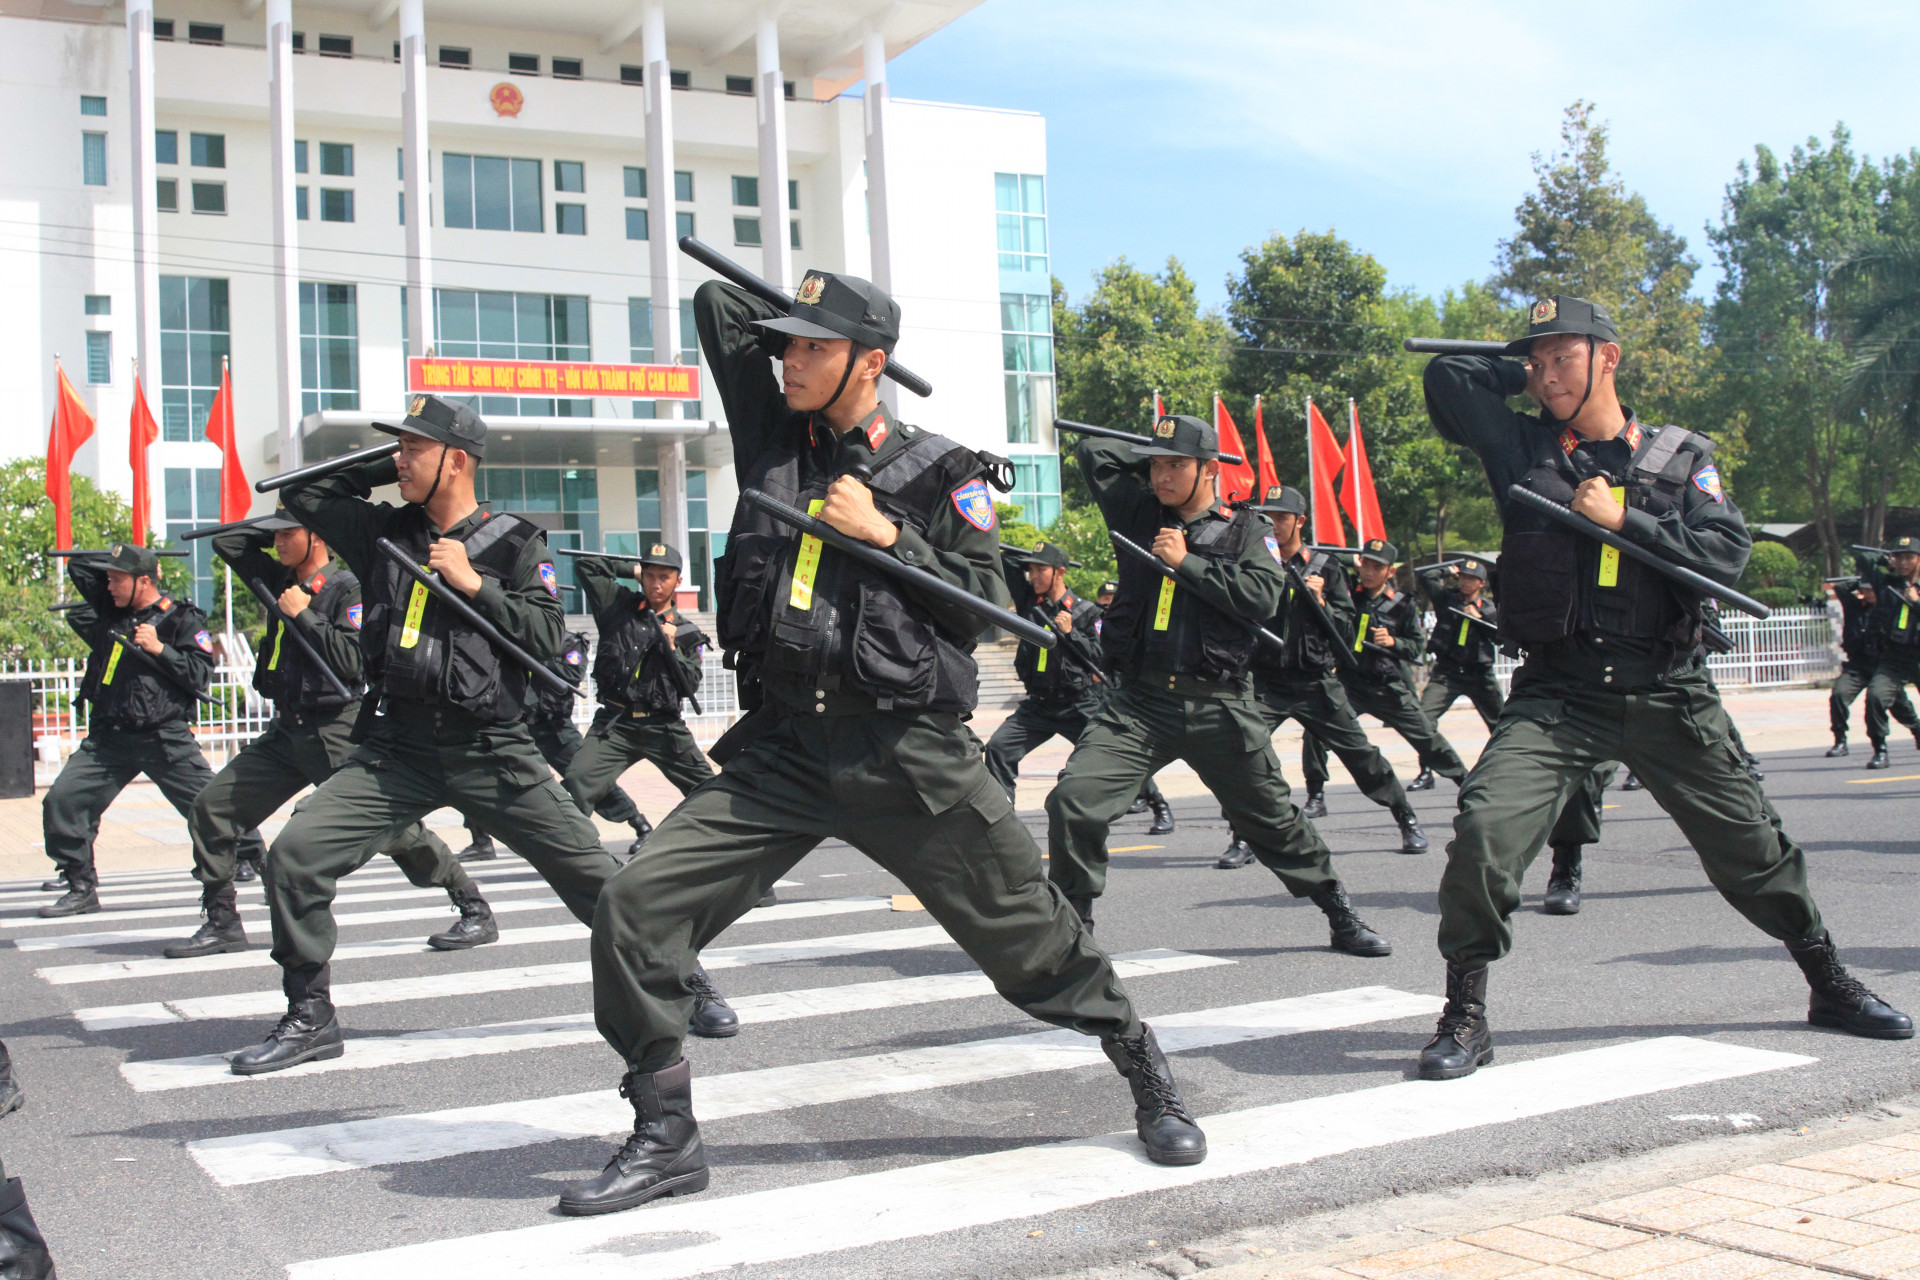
(392,915)
(357,1144)
(718,1233)
(181,887)
(528,880)
(577,1028)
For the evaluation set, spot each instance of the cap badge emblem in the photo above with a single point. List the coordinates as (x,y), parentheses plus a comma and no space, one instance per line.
(1545,310)
(656,550)
(419,404)
(1165,428)
(116,549)
(810,290)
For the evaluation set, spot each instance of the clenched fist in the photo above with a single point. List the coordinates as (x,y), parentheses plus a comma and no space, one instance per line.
(1171,545)
(448,558)
(849,508)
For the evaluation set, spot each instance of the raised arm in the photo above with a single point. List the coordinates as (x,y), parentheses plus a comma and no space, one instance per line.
(1467,401)
(741,360)
(336,507)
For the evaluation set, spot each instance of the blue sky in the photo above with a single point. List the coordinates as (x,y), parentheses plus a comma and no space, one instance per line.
(1199,128)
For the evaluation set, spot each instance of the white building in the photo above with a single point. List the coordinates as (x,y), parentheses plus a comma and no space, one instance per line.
(227,178)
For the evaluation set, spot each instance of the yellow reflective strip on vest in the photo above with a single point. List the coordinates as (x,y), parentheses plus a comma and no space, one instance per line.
(1163,612)
(1464,624)
(1042,664)
(1610,556)
(1360,632)
(113,660)
(1903,627)
(806,565)
(273,663)
(416,609)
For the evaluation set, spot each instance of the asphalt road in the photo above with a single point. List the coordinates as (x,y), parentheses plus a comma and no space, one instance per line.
(905,1132)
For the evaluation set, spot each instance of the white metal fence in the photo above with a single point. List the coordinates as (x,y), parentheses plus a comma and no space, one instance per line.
(1795,646)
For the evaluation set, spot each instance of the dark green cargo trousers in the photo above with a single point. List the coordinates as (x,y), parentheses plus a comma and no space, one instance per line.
(295,751)
(1223,735)
(109,759)
(1674,736)
(1391,701)
(618,741)
(1450,681)
(418,759)
(1851,683)
(1319,703)
(907,789)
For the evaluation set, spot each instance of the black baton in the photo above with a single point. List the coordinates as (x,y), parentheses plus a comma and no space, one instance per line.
(1172,575)
(1455,347)
(1108,433)
(153,665)
(471,616)
(327,468)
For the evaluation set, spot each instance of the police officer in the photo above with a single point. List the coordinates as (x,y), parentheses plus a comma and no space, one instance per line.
(1188,694)
(307,739)
(858,686)
(1613,667)
(1150,797)
(1298,682)
(648,663)
(1463,652)
(151,657)
(446,725)
(1895,625)
(1387,620)
(1064,683)
(1860,646)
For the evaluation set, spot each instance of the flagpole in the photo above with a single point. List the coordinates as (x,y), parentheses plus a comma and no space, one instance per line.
(1313,474)
(225,376)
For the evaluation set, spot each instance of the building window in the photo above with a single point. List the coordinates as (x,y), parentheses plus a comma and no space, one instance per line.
(1026,345)
(403,206)
(336,46)
(569,175)
(1036,487)
(640,351)
(523,64)
(515,326)
(329,346)
(491,193)
(166,194)
(99,304)
(93,159)
(680,79)
(336,159)
(683,186)
(299,155)
(92,106)
(194,339)
(300,203)
(793,233)
(567,69)
(166,146)
(99,359)
(793,193)
(570,219)
(210,197)
(208,150)
(636,224)
(697,553)
(163,28)
(742,85)
(1020,202)
(299,41)
(746,192)
(336,205)
(682,225)
(193,497)
(630,74)
(206,33)
(563,501)
(451,57)
(635,180)
(746,232)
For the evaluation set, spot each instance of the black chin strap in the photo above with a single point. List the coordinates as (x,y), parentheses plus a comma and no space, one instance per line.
(1592,348)
(438,467)
(853,354)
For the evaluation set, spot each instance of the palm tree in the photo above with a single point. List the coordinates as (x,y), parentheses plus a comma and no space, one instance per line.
(1877,292)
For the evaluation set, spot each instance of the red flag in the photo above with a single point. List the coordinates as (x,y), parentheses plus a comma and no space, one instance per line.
(236,499)
(1236,479)
(1324,460)
(1159,409)
(143,431)
(1362,504)
(1269,478)
(72,427)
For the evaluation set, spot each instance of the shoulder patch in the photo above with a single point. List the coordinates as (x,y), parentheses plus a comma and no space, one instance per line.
(975,505)
(877,433)
(573,657)
(551,580)
(1273,549)
(353,616)
(204,640)
(1707,480)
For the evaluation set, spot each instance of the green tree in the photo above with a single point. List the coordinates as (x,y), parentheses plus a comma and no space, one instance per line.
(29,577)
(1082,532)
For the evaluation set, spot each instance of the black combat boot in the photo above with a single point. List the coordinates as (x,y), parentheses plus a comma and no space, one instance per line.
(474,928)
(1238,853)
(56,885)
(1166,1128)
(481,850)
(1412,838)
(82,897)
(1162,817)
(1315,807)
(23,1250)
(713,1017)
(220,932)
(1632,783)
(1563,883)
(1839,747)
(770,898)
(1881,760)
(308,1032)
(1139,805)
(662,1158)
(246,871)
(1462,1042)
(1839,999)
(1084,908)
(1423,781)
(1350,932)
(641,830)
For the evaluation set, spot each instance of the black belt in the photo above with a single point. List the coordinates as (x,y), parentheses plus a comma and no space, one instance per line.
(310,715)
(1180,682)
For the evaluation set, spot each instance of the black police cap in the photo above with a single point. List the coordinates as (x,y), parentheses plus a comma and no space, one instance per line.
(454,425)
(1283,500)
(1380,551)
(663,555)
(138,561)
(1905,542)
(832,306)
(1111,587)
(1049,554)
(1181,436)
(1564,314)
(1474,569)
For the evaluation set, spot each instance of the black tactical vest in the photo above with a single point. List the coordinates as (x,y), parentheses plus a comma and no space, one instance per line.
(1555,582)
(1307,646)
(633,665)
(794,609)
(1375,612)
(1155,624)
(418,651)
(1454,639)
(1896,620)
(570,664)
(282,670)
(1048,674)
(125,692)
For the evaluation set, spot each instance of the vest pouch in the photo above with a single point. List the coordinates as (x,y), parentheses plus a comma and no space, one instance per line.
(1538,573)
(473,670)
(893,651)
(956,685)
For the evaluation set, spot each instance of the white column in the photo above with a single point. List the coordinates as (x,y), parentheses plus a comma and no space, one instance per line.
(415,167)
(663,250)
(776,252)
(146,209)
(286,245)
(875,49)
(673,495)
